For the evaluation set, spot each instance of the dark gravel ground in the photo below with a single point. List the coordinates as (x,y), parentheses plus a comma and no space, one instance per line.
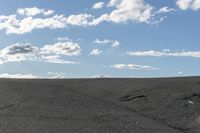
(160,105)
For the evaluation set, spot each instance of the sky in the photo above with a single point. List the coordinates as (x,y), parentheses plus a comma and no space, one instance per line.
(99,38)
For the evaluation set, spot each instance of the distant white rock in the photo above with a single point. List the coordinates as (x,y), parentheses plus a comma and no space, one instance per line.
(101,76)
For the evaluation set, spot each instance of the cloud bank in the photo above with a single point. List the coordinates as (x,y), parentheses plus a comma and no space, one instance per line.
(164,53)
(34,11)
(188,4)
(25,20)
(51,75)
(133,67)
(48,53)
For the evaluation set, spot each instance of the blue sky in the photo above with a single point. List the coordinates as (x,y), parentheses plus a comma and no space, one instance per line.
(117,38)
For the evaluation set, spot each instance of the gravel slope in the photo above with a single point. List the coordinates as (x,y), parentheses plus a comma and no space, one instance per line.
(160,105)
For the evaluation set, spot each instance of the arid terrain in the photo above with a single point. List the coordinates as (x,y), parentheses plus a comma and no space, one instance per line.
(157,105)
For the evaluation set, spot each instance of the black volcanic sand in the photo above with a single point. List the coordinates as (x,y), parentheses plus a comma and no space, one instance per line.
(167,105)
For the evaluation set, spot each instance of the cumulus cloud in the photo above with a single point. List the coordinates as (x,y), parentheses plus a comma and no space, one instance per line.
(188,4)
(96,52)
(29,21)
(133,10)
(113,43)
(132,67)
(19,49)
(194,54)
(62,48)
(33,11)
(48,53)
(18,52)
(122,11)
(29,24)
(184,4)
(12,25)
(196,5)
(80,19)
(98,5)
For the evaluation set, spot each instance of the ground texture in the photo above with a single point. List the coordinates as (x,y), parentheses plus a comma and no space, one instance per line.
(162,105)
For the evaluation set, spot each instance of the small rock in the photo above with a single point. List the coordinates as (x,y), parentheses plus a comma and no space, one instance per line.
(191,102)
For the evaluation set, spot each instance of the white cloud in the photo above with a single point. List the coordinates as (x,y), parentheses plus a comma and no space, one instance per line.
(196,5)
(49,53)
(56,59)
(194,54)
(132,67)
(49,12)
(7,22)
(113,43)
(19,49)
(34,11)
(96,52)
(122,11)
(184,4)
(166,50)
(28,24)
(130,10)
(188,4)
(180,73)
(51,75)
(98,5)
(80,19)
(99,20)
(18,76)
(62,48)
(14,26)
(18,52)
(166,10)
(147,53)
(56,75)
(61,39)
